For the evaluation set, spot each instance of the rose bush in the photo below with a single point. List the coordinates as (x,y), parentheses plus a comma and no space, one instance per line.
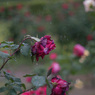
(39,48)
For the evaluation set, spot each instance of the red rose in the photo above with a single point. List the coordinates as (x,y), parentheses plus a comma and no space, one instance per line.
(65,6)
(41,28)
(2,9)
(89,37)
(41,91)
(48,18)
(19,6)
(59,86)
(42,48)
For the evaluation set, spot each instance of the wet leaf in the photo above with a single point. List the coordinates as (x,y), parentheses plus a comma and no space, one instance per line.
(38,81)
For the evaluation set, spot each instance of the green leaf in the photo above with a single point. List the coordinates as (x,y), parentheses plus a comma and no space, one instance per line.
(36,39)
(29,75)
(23,85)
(25,49)
(14,46)
(17,88)
(4,55)
(48,91)
(32,57)
(49,72)
(6,44)
(47,82)
(38,81)
(2,89)
(12,92)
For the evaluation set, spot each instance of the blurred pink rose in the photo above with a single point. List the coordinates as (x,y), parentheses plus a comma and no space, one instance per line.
(29,93)
(39,18)
(23,31)
(41,91)
(48,18)
(71,13)
(27,14)
(55,67)
(10,8)
(89,37)
(28,79)
(65,6)
(76,4)
(8,71)
(19,6)
(78,50)
(53,56)
(2,9)
(5,51)
(41,28)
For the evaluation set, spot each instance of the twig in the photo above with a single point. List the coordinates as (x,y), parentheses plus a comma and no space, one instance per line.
(13,53)
(25,91)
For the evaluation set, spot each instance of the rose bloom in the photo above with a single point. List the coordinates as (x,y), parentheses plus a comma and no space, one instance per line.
(19,6)
(41,28)
(55,67)
(5,51)
(41,91)
(78,50)
(88,4)
(2,9)
(89,37)
(48,18)
(23,31)
(65,6)
(59,86)
(43,47)
(27,14)
(71,13)
(28,79)
(53,56)
(8,71)
(29,93)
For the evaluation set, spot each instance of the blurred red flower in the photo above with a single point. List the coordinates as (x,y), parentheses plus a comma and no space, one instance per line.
(89,37)
(2,9)
(41,28)
(48,18)
(41,91)
(71,13)
(29,93)
(53,56)
(8,71)
(19,6)
(27,14)
(65,6)
(23,31)
(5,51)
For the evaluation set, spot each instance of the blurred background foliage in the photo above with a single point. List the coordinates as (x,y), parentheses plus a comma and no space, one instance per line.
(65,20)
